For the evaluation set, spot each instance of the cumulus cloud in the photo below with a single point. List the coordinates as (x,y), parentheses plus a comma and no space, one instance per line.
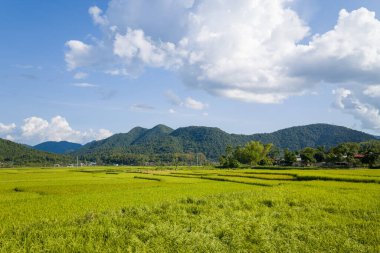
(348,53)
(372,91)
(78,55)
(35,130)
(4,129)
(91,134)
(235,49)
(134,45)
(347,102)
(96,14)
(164,20)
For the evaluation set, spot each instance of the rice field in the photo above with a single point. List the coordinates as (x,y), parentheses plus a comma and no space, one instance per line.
(129,209)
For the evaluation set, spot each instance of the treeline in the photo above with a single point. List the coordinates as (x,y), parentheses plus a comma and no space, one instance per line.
(346,154)
(253,153)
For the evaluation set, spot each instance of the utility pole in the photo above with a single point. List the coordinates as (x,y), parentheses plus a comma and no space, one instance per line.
(77,161)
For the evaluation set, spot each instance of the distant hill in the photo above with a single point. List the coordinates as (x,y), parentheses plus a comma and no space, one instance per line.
(61,147)
(212,141)
(314,135)
(137,141)
(13,154)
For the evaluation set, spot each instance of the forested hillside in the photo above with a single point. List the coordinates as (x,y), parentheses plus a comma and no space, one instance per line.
(162,142)
(315,135)
(163,145)
(13,154)
(61,147)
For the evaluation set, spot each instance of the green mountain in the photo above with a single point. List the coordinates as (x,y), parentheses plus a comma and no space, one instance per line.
(162,141)
(210,141)
(13,154)
(61,147)
(314,135)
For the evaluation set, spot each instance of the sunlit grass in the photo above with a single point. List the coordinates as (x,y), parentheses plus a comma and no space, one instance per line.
(189,210)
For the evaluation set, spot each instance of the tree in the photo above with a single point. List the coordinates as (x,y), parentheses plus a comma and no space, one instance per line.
(320,156)
(307,156)
(371,150)
(229,160)
(289,157)
(252,153)
(275,153)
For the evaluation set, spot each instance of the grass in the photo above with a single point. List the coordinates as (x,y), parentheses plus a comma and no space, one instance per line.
(147,178)
(126,209)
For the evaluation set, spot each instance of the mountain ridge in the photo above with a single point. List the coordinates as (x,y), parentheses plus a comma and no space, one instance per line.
(212,141)
(58,147)
(15,154)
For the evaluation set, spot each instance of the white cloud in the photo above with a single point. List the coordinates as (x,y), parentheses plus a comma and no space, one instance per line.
(91,134)
(9,137)
(85,85)
(7,128)
(235,49)
(164,20)
(172,111)
(189,102)
(372,91)
(341,94)
(96,14)
(135,46)
(78,55)
(368,115)
(194,104)
(34,125)
(80,75)
(37,130)
(348,53)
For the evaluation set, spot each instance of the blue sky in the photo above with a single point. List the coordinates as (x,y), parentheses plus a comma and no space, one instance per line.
(82,70)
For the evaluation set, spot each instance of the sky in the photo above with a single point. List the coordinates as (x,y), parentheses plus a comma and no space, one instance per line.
(84,70)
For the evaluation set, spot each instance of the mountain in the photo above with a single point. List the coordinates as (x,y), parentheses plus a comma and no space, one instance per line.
(210,141)
(163,144)
(137,141)
(13,154)
(163,141)
(61,147)
(314,135)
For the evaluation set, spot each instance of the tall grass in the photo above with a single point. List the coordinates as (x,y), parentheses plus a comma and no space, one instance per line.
(240,222)
(66,210)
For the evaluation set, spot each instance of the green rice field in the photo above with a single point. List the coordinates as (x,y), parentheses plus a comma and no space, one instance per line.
(148,209)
